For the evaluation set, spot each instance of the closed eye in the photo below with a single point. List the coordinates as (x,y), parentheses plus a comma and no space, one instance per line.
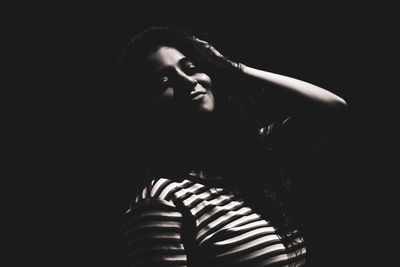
(190,68)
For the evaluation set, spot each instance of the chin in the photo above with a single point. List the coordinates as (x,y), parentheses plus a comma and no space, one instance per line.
(207,106)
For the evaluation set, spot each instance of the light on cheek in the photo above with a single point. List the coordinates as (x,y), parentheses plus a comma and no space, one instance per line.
(204,80)
(168,93)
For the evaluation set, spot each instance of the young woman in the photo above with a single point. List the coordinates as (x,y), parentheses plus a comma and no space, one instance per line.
(215,137)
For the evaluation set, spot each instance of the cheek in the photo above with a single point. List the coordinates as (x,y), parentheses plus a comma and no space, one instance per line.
(204,80)
(209,105)
(168,94)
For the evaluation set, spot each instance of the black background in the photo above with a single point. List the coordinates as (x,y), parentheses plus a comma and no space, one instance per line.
(69,170)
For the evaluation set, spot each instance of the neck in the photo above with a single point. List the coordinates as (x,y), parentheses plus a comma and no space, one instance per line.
(186,153)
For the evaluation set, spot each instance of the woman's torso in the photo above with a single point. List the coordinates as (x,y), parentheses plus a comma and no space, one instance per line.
(189,222)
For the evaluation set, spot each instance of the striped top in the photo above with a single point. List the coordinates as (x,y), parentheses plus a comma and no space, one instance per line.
(190,223)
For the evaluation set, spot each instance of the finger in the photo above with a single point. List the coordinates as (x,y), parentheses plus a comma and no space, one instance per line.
(199,40)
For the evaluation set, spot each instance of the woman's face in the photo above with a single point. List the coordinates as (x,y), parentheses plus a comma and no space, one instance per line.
(180,93)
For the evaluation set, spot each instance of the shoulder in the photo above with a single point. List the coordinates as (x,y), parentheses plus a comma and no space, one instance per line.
(162,189)
(153,227)
(152,231)
(151,214)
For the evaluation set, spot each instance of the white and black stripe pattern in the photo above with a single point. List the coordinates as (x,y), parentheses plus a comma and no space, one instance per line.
(227,231)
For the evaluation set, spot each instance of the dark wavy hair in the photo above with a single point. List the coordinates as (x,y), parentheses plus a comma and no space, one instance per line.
(244,113)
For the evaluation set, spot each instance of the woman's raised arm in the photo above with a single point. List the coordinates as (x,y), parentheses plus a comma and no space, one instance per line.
(314,112)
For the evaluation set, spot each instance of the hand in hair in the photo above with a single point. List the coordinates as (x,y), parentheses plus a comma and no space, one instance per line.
(215,52)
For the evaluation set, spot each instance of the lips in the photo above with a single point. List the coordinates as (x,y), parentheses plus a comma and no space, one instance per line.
(197,95)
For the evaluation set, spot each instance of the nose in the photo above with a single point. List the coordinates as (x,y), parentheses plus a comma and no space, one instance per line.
(187,82)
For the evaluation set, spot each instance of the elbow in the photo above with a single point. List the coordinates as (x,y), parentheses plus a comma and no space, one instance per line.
(336,111)
(336,105)
(339,105)
(333,109)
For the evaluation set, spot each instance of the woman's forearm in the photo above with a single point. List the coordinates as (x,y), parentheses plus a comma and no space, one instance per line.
(289,91)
